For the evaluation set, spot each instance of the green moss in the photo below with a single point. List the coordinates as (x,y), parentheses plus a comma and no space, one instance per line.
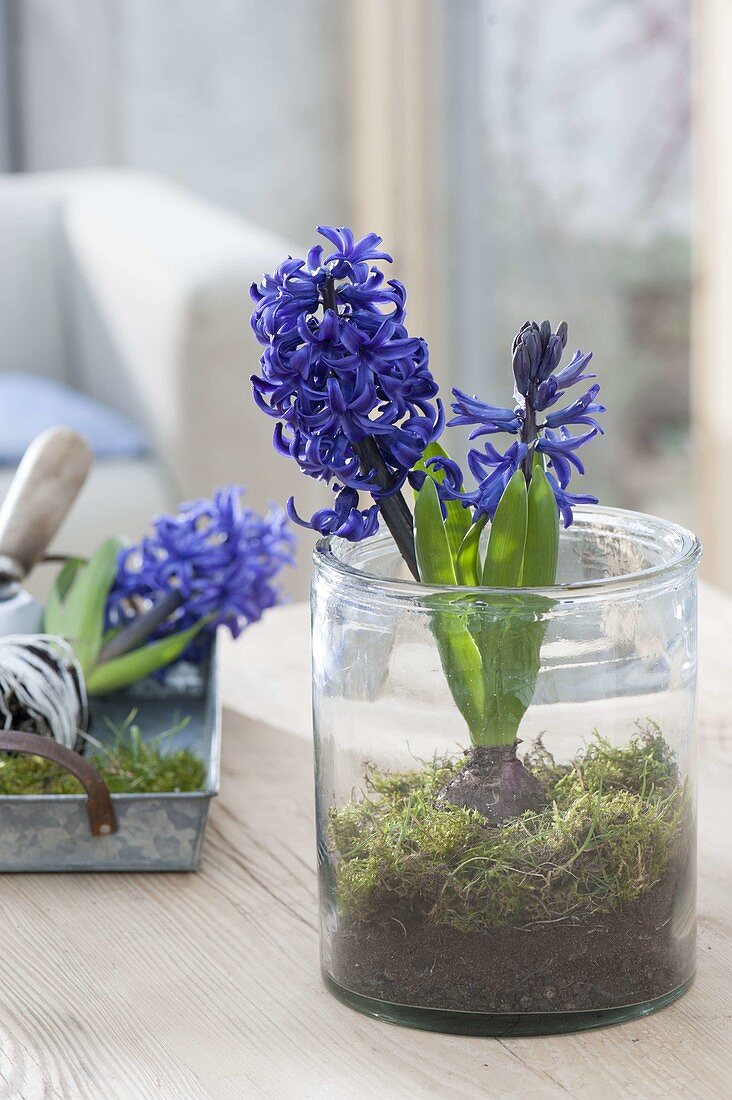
(129,765)
(612,824)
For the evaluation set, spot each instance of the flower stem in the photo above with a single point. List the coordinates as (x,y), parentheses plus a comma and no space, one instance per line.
(529,432)
(393,508)
(140,629)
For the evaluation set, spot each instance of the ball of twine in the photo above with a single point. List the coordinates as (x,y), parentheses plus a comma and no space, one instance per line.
(42,688)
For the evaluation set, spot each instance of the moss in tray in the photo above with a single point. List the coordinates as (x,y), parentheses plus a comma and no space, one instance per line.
(129,765)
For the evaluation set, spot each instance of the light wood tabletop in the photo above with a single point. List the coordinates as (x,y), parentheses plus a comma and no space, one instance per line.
(207,986)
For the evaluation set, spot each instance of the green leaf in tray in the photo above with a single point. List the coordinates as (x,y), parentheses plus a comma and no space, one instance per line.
(79,617)
(125,670)
(52,618)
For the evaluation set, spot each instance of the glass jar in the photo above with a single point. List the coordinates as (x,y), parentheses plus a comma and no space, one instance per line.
(561,896)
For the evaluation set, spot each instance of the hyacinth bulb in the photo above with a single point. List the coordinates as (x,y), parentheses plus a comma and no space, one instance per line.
(494,782)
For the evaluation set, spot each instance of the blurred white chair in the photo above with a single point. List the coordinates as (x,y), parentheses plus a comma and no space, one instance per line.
(128,289)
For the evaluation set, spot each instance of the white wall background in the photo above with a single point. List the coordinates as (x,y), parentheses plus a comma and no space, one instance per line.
(245,110)
(521,157)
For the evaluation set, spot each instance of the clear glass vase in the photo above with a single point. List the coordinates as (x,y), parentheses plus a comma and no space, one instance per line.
(507,842)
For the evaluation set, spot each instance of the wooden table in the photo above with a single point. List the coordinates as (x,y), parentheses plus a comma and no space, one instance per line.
(190,986)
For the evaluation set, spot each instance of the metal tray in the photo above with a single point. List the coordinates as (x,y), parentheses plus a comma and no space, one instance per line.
(155,832)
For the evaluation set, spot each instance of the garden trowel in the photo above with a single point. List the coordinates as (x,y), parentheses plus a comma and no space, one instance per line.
(46,483)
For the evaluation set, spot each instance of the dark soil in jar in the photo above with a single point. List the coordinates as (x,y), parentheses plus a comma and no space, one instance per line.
(606,961)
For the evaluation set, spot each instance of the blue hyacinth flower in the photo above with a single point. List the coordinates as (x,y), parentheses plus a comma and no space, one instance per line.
(538,386)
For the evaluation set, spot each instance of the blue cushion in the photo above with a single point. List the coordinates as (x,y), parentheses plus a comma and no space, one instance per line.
(29,405)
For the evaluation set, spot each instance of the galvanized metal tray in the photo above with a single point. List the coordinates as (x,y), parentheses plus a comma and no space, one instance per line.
(155,832)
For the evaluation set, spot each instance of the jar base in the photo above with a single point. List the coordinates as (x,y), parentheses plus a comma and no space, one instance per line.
(498,1024)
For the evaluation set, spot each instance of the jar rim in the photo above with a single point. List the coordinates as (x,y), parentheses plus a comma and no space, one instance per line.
(685,557)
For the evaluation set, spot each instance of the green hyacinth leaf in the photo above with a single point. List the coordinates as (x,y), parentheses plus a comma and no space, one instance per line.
(459,653)
(434,558)
(542,534)
(511,648)
(467,563)
(505,553)
(128,669)
(461,661)
(511,645)
(80,618)
(458,519)
(52,616)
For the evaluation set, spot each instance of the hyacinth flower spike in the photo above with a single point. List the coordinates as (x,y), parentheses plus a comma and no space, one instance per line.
(520,494)
(211,564)
(214,563)
(391,503)
(349,388)
(537,388)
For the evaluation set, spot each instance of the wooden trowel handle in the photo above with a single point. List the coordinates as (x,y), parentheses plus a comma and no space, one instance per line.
(51,473)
